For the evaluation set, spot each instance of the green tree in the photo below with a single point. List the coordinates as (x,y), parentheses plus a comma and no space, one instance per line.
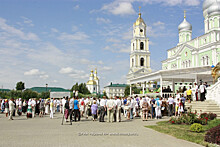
(81,88)
(134,90)
(20,86)
(44,95)
(27,94)
(127,91)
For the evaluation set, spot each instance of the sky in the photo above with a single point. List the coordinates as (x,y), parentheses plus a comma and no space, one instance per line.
(58,42)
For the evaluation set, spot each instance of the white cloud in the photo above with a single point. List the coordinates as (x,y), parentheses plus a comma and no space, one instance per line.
(27,21)
(78,36)
(54,30)
(118,48)
(106,68)
(33,72)
(76,7)
(100,62)
(113,40)
(13,32)
(119,8)
(101,20)
(44,76)
(66,70)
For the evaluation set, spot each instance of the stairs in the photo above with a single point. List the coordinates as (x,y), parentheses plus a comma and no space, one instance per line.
(206,106)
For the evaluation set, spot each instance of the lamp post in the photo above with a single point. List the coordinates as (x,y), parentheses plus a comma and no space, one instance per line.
(46,87)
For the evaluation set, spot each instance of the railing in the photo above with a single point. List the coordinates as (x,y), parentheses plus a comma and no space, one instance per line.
(213,92)
(164,94)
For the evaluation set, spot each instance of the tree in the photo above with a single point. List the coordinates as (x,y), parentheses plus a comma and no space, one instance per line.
(20,86)
(134,89)
(27,94)
(81,88)
(44,95)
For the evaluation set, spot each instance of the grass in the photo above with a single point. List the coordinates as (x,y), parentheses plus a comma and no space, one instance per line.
(183,131)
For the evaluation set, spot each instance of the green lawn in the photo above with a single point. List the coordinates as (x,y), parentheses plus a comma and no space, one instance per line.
(183,131)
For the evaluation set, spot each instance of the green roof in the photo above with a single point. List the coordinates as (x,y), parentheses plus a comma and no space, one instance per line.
(51,89)
(117,85)
(5,90)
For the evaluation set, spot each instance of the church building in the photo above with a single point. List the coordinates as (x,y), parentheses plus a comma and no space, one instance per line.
(93,83)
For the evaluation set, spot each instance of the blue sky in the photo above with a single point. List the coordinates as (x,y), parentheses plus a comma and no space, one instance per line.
(58,42)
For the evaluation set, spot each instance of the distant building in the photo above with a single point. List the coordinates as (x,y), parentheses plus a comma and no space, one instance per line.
(115,90)
(5,90)
(55,92)
(93,83)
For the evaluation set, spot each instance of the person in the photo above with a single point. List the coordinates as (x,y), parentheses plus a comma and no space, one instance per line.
(76,109)
(58,105)
(128,106)
(145,106)
(189,95)
(24,107)
(118,110)
(170,103)
(196,91)
(202,90)
(33,104)
(94,109)
(158,108)
(51,108)
(180,109)
(115,108)
(102,109)
(19,106)
(183,101)
(125,107)
(11,108)
(177,104)
(41,106)
(6,107)
(63,103)
(152,103)
(82,107)
(110,109)
(3,106)
(71,105)
(46,107)
(29,109)
(131,108)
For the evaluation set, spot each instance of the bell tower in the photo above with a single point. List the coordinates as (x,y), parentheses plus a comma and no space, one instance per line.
(140,54)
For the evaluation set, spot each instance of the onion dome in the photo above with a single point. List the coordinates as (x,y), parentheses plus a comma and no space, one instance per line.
(214,9)
(208,3)
(91,82)
(185,25)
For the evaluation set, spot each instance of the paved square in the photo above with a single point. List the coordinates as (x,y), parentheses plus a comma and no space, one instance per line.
(49,132)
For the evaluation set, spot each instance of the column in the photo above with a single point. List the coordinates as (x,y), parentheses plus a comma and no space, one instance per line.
(143,88)
(130,89)
(173,86)
(161,86)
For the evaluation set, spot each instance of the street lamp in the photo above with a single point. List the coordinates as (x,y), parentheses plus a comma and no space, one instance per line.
(46,87)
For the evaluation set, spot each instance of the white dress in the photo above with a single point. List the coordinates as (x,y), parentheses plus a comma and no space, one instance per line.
(47,109)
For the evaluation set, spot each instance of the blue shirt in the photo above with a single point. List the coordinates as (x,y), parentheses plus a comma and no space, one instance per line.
(75,104)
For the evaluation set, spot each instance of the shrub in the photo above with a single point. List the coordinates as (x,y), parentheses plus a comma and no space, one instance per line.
(202,121)
(196,128)
(210,116)
(213,135)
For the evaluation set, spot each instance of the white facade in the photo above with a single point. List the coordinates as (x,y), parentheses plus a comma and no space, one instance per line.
(115,90)
(140,54)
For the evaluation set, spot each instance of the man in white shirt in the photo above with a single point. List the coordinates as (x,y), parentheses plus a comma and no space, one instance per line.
(110,108)
(71,103)
(102,109)
(63,104)
(202,89)
(11,108)
(118,109)
(33,105)
(132,108)
(170,103)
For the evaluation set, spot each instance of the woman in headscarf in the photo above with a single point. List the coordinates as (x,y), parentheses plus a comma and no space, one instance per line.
(29,110)
(46,107)
(158,108)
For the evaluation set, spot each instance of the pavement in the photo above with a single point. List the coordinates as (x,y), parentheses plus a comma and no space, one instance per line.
(40,132)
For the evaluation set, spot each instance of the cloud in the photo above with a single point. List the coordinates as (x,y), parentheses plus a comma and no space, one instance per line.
(118,48)
(44,76)
(27,21)
(66,70)
(78,36)
(54,30)
(33,72)
(101,20)
(106,68)
(119,8)
(76,7)
(13,32)
(113,40)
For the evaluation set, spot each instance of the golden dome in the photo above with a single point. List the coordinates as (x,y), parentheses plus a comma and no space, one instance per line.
(96,78)
(139,20)
(91,82)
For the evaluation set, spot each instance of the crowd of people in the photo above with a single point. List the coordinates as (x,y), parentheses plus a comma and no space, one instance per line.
(96,108)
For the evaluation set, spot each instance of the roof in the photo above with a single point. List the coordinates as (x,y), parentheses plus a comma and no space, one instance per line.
(5,90)
(117,85)
(51,89)
(91,82)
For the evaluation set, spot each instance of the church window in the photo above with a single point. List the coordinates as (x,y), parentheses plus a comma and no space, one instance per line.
(94,88)
(187,37)
(142,46)
(189,63)
(207,60)
(142,61)
(132,62)
(141,30)
(186,63)
(203,60)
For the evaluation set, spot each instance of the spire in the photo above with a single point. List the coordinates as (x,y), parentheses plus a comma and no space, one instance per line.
(95,70)
(184,14)
(139,11)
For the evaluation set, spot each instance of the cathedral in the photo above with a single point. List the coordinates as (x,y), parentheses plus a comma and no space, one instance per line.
(93,83)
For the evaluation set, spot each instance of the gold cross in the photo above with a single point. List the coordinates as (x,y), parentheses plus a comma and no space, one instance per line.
(184,13)
(139,9)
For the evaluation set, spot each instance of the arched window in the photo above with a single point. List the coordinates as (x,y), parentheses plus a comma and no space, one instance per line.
(186,63)
(187,37)
(142,46)
(203,60)
(132,64)
(133,46)
(207,60)
(142,61)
